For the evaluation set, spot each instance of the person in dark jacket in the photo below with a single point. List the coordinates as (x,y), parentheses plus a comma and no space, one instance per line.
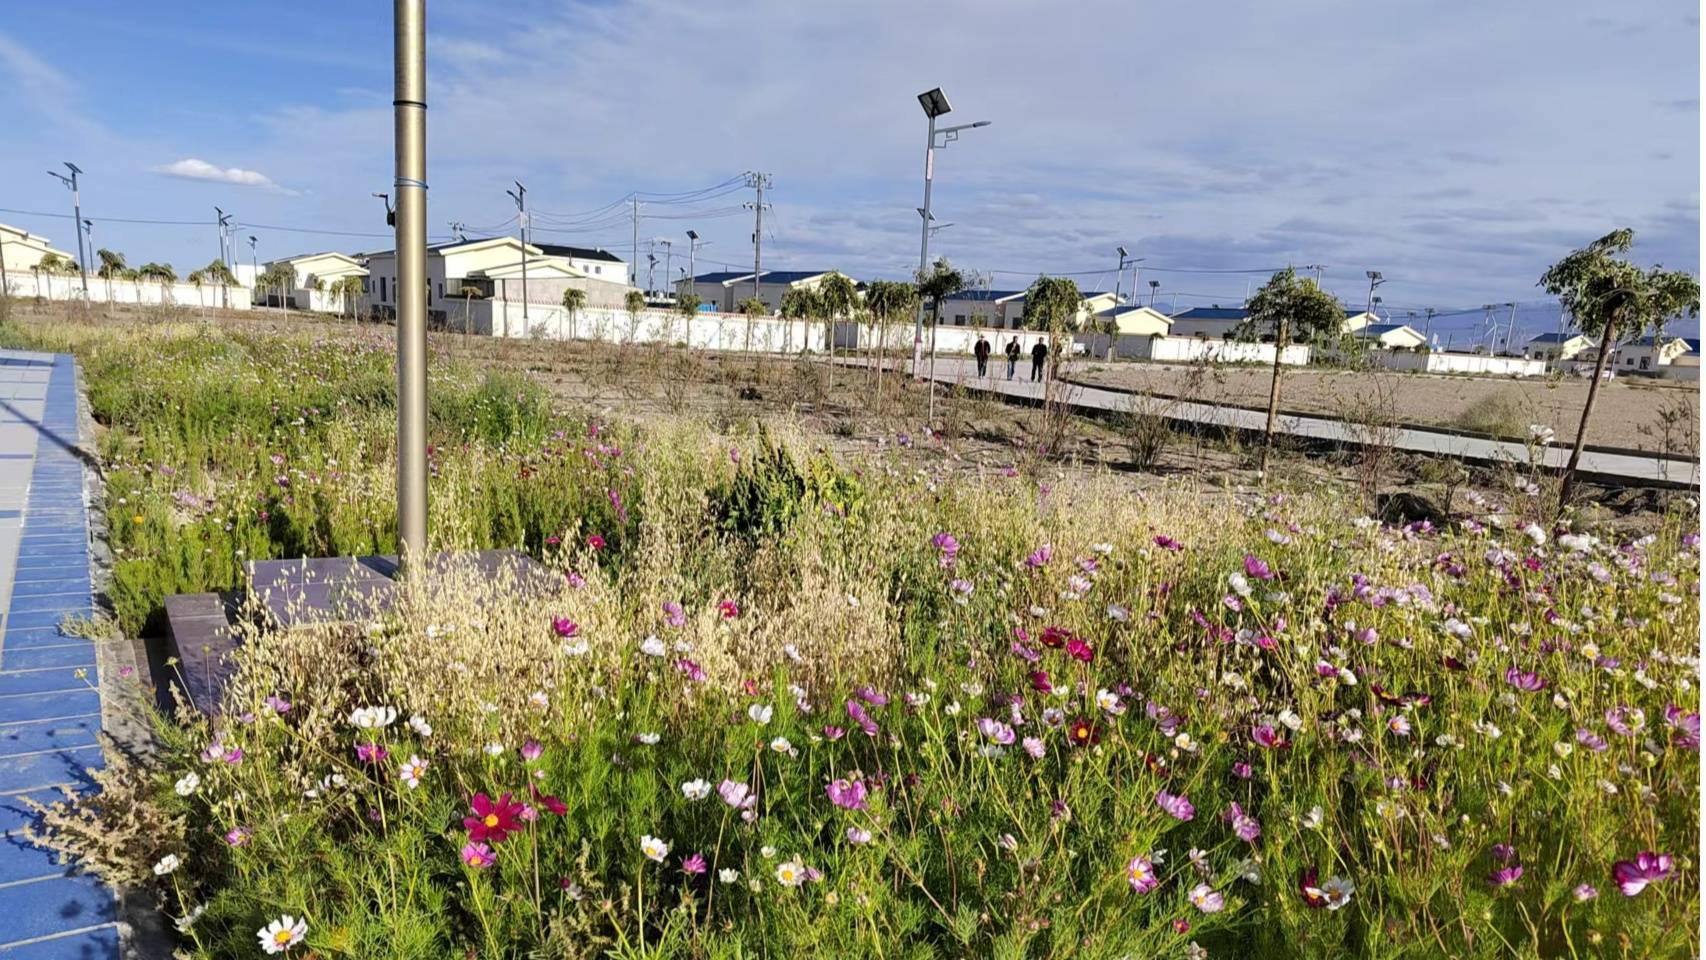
(1013,352)
(981,352)
(1039,355)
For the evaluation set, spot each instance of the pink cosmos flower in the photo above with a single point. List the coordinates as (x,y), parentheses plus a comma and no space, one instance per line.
(1591,740)
(847,794)
(1506,876)
(478,855)
(575,579)
(1079,650)
(673,614)
(729,609)
(863,719)
(595,541)
(278,704)
(1625,721)
(1244,825)
(1176,806)
(1035,748)
(1525,681)
(371,753)
(1040,557)
(1632,876)
(1584,892)
(858,836)
(831,732)
(1025,653)
(1255,567)
(1266,736)
(693,671)
(1040,682)
(565,627)
(995,731)
(238,836)
(1140,873)
(532,750)
(1206,898)
(694,863)
(1168,543)
(1686,725)
(737,795)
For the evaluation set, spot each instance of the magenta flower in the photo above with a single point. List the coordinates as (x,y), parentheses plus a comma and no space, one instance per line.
(565,627)
(831,732)
(872,696)
(1505,876)
(1255,567)
(238,836)
(1504,852)
(1686,725)
(532,750)
(1168,543)
(729,609)
(960,586)
(1591,740)
(1176,806)
(1140,873)
(1079,650)
(371,753)
(1025,653)
(863,719)
(1625,721)
(1267,736)
(1040,681)
(1632,876)
(693,671)
(1525,681)
(1244,825)
(1040,557)
(694,863)
(1206,898)
(847,794)
(478,855)
(278,704)
(949,546)
(492,820)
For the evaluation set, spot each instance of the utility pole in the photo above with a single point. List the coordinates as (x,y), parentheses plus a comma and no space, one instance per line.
(1510,331)
(519,195)
(222,222)
(77,223)
(757,181)
(1489,326)
(668,261)
(692,252)
(410,109)
(1428,330)
(634,255)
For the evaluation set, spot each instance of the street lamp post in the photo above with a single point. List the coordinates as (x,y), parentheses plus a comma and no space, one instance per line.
(935,104)
(1154,285)
(77,223)
(692,250)
(254,266)
(411,218)
(1374,280)
(519,195)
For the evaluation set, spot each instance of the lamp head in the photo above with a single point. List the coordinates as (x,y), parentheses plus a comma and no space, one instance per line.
(934,102)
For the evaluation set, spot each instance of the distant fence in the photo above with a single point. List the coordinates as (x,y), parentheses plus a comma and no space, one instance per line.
(1162,349)
(142,292)
(1438,362)
(704,331)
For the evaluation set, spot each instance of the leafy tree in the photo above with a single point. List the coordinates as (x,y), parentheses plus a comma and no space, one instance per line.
(574,301)
(112,264)
(1606,296)
(888,300)
(800,303)
(687,304)
(1052,304)
(635,301)
(161,273)
(836,296)
(753,307)
(1294,308)
(348,291)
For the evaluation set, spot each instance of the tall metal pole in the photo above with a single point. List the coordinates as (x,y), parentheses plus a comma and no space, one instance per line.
(1428,327)
(634,255)
(1510,331)
(519,195)
(254,267)
(77,208)
(924,244)
(410,109)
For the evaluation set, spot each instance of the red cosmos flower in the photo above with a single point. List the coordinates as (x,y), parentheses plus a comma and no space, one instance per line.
(1079,650)
(1313,896)
(1040,682)
(1083,733)
(1055,637)
(547,801)
(595,541)
(493,821)
(729,609)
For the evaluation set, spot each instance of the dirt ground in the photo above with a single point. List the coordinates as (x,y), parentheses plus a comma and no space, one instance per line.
(1633,412)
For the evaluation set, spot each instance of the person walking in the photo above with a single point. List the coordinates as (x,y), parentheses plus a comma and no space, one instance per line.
(1012,356)
(1039,354)
(981,352)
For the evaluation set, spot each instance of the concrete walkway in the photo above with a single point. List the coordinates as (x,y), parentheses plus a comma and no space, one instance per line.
(50,704)
(1607,465)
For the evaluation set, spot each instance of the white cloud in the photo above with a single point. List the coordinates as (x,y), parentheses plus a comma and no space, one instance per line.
(191,168)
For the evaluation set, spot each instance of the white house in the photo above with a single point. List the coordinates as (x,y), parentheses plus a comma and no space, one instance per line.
(1223,322)
(1001,309)
(21,250)
(1649,353)
(490,268)
(595,262)
(1390,336)
(1136,321)
(313,276)
(726,290)
(1555,347)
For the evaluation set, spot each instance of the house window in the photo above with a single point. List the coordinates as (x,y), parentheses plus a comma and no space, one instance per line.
(441,291)
(959,319)
(1643,363)
(382,296)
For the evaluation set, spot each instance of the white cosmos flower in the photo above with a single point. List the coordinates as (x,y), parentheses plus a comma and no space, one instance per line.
(1312,820)
(413,770)
(781,745)
(187,784)
(575,647)
(790,873)
(653,647)
(373,718)
(1291,720)
(654,849)
(282,934)
(167,864)
(696,789)
(649,739)
(185,922)
(760,713)
(494,749)
(727,875)
(419,725)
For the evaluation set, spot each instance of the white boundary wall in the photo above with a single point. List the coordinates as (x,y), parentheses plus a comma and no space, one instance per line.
(144,292)
(1162,349)
(1475,363)
(703,331)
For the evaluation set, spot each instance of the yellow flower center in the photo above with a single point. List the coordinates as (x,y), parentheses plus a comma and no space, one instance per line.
(491,820)
(283,937)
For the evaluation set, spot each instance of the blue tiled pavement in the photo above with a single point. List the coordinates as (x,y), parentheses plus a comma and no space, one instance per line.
(50,706)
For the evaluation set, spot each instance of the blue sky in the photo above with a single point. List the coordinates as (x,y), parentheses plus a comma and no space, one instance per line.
(1458,147)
